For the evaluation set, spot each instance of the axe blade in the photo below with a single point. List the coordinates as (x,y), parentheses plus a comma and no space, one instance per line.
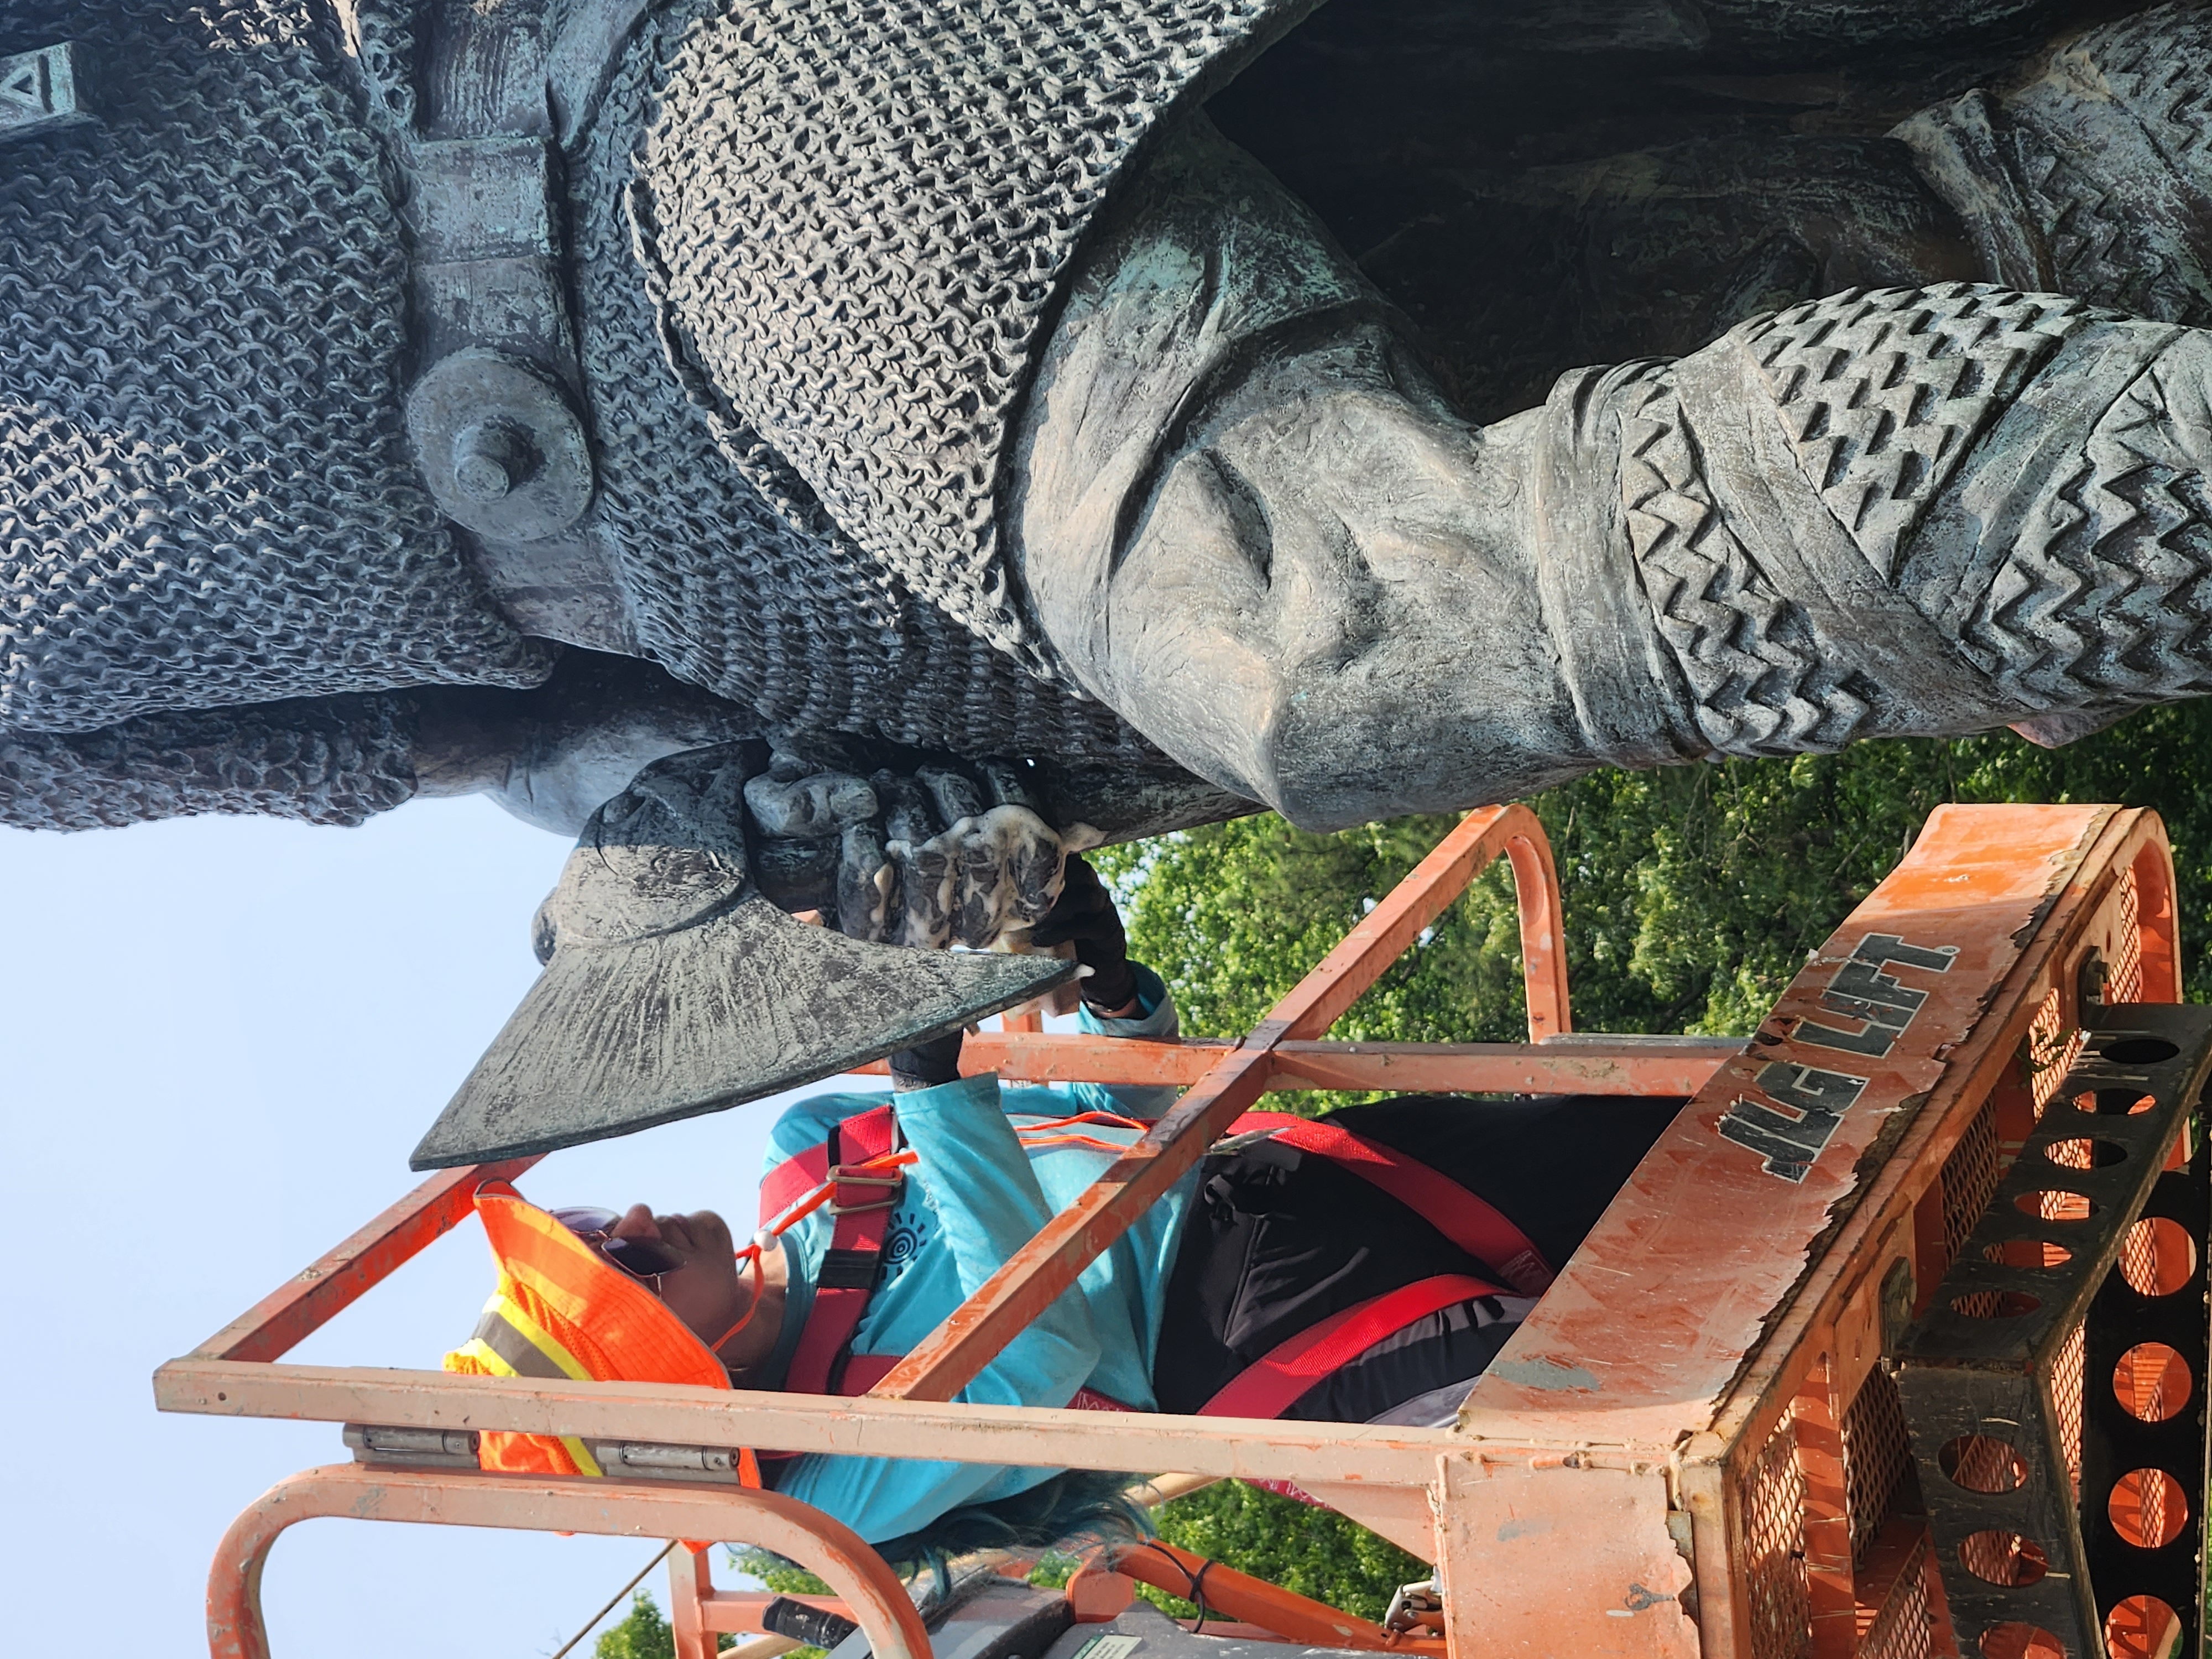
(616,1036)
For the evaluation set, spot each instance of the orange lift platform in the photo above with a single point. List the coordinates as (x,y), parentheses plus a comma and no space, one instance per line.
(1895,1346)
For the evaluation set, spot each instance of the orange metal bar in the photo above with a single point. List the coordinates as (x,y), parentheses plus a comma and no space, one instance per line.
(691,1587)
(1372,1459)
(974,1332)
(1387,931)
(1543,937)
(699,1612)
(1581,1065)
(1827,1524)
(280,1321)
(1256,1601)
(554,1504)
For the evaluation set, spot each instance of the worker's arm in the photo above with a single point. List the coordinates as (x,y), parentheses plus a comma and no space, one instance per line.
(1153,1016)
(985,1203)
(1120,998)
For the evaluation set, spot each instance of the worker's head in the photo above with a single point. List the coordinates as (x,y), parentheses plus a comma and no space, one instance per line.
(690,1262)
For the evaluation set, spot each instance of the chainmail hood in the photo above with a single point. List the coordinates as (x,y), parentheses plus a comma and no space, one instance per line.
(854,216)
(738,577)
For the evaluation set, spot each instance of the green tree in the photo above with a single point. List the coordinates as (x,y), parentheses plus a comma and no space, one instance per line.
(642,1634)
(1314,1552)
(1693,893)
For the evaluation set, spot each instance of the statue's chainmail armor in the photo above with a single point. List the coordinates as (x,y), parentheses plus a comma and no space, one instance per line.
(738,578)
(2068,582)
(857,214)
(206,497)
(2107,225)
(324,760)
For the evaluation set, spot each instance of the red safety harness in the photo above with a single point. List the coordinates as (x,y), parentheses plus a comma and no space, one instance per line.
(857,1171)
(861,1201)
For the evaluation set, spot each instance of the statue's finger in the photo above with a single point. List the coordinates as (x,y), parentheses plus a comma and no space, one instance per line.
(866,885)
(908,814)
(811,808)
(980,908)
(953,794)
(927,875)
(1009,868)
(1009,784)
(1037,864)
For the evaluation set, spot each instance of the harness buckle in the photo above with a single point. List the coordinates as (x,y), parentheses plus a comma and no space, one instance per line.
(842,1176)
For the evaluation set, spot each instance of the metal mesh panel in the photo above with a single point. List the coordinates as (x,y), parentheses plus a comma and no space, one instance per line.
(2066,1399)
(2066,1368)
(2051,1049)
(1774,1550)
(2002,1557)
(1876,1458)
(2123,974)
(1898,1629)
(1970,1176)
(2139,1263)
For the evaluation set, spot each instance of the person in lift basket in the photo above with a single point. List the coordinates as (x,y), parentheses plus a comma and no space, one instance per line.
(1364,1266)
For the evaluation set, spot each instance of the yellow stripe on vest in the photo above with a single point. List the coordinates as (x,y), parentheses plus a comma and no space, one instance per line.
(506,1310)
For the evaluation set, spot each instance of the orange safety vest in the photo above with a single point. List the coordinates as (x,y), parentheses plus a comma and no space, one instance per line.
(562,1310)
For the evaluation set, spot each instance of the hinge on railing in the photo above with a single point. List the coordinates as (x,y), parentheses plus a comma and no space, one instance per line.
(716,1464)
(416,1448)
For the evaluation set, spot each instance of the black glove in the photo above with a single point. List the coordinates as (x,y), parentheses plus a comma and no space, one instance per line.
(927,1064)
(1085,918)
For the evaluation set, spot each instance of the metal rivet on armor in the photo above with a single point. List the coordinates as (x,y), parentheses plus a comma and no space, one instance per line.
(491,460)
(501,449)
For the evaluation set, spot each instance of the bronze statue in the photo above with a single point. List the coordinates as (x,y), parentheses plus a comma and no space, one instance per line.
(952,412)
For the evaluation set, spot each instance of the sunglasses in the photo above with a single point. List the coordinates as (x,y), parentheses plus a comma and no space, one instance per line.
(640,1258)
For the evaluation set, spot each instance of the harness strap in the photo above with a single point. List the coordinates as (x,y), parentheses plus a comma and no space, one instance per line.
(795,1178)
(1267,1387)
(863,1211)
(1474,1223)
(1272,1384)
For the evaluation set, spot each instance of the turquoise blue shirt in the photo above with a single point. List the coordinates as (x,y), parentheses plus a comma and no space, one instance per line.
(972,1198)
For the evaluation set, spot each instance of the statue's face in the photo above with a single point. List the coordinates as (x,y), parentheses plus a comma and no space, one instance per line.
(1324,602)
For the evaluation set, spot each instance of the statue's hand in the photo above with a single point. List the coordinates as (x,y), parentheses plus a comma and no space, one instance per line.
(928,859)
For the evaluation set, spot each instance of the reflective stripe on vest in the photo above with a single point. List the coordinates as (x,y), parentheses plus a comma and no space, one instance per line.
(509,1342)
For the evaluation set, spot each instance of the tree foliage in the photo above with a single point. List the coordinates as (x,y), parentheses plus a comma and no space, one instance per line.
(1314,1552)
(644,1634)
(1693,894)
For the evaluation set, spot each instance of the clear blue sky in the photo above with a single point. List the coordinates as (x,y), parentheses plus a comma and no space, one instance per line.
(221,1038)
